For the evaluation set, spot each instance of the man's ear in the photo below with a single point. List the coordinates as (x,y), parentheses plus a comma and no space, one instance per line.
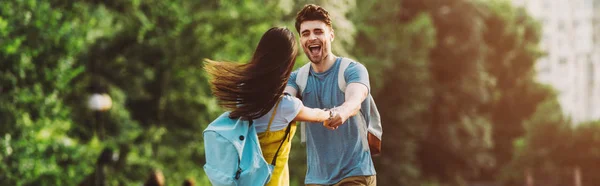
(332,35)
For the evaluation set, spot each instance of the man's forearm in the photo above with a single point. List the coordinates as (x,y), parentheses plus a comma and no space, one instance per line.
(355,94)
(349,109)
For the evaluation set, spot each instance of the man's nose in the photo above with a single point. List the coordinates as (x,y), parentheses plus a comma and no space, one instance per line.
(312,37)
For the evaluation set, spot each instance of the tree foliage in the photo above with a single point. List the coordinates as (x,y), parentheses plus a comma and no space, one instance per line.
(40,44)
(457,83)
(552,149)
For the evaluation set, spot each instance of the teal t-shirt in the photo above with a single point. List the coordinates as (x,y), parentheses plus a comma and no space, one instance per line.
(333,155)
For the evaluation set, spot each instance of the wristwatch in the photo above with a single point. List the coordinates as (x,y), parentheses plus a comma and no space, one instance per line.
(331,114)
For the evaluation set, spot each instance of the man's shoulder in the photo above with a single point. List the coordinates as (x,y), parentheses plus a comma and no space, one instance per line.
(302,68)
(350,59)
(354,66)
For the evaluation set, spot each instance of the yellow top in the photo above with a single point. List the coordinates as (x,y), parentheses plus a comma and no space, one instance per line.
(269,143)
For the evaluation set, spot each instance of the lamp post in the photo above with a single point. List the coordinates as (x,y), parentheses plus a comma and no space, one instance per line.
(99,102)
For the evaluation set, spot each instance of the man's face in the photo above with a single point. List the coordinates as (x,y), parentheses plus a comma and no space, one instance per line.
(316,38)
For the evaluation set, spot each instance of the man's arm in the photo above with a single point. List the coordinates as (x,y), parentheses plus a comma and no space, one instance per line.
(291,90)
(291,87)
(356,93)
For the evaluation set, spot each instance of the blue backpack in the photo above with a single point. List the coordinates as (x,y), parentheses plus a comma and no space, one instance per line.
(233,154)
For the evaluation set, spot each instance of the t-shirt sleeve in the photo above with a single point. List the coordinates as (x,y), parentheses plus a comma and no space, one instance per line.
(292,80)
(357,73)
(289,108)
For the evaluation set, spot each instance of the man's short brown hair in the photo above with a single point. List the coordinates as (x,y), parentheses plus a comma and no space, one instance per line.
(312,12)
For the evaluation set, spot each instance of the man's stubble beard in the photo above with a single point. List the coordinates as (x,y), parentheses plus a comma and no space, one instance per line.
(324,58)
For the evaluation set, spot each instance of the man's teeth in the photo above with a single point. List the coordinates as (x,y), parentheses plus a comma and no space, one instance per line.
(314,49)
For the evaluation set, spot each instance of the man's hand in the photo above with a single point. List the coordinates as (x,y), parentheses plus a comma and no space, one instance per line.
(326,125)
(356,93)
(337,119)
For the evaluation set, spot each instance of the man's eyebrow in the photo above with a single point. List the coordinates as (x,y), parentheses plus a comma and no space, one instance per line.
(306,30)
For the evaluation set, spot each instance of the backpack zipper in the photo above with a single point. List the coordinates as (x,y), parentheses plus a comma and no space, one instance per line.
(237,174)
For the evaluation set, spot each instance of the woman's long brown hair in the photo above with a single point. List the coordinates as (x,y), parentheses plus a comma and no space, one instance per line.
(250,90)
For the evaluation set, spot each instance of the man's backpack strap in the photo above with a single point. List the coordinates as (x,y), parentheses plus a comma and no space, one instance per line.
(301,81)
(302,78)
(341,78)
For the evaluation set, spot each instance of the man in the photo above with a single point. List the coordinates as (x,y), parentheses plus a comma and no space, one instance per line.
(340,156)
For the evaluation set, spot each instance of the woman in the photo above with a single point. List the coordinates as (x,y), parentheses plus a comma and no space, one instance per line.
(254,91)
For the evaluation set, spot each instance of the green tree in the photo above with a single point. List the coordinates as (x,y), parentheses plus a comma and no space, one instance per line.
(457,132)
(39,46)
(585,149)
(458,66)
(512,38)
(541,150)
(552,148)
(396,51)
(153,65)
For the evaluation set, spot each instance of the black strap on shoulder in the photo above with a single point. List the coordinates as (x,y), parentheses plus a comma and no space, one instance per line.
(285,137)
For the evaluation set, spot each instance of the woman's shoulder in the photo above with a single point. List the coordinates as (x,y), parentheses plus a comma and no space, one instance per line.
(289,107)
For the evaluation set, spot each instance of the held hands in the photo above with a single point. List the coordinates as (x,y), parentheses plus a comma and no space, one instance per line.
(326,125)
(335,119)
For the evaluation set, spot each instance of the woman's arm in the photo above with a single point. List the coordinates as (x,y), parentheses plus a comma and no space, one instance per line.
(314,115)
(303,113)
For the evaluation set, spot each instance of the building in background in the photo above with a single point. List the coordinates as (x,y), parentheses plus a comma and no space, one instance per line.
(571,38)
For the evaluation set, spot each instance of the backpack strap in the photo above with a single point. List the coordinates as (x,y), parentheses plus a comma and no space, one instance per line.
(301,81)
(238,172)
(302,77)
(341,78)
(285,137)
(287,130)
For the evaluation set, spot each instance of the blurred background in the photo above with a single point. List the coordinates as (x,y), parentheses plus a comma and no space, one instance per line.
(471,92)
